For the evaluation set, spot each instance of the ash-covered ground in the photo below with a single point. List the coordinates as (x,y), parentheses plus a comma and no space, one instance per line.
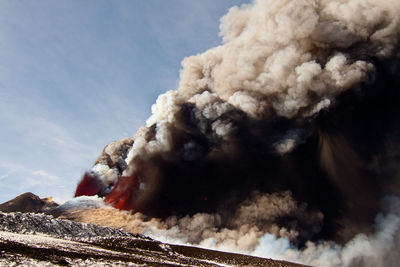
(32,239)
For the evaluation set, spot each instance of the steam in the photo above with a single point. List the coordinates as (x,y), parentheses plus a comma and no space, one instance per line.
(281,142)
(379,249)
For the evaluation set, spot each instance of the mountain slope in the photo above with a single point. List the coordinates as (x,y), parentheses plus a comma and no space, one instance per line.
(36,239)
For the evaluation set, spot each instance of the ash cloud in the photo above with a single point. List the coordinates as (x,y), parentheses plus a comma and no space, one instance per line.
(286,132)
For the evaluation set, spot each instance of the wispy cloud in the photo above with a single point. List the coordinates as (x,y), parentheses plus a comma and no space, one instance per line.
(44,174)
(7,174)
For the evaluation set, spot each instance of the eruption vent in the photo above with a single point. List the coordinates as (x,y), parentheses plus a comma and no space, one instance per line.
(286,131)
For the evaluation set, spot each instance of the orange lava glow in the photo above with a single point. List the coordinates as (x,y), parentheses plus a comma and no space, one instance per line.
(123,194)
(90,185)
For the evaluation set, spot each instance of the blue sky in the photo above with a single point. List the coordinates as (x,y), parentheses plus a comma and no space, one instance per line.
(76,75)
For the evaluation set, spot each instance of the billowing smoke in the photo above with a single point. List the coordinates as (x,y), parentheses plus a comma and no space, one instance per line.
(281,141)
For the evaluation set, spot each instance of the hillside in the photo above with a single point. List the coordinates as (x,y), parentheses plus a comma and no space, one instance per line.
(36,239)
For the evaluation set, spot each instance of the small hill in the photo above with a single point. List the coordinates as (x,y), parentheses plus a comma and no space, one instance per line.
(28,202)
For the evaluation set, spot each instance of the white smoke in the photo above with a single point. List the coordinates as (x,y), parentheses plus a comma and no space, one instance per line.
(107,174)
(379,249)
(290,55)
(111,163)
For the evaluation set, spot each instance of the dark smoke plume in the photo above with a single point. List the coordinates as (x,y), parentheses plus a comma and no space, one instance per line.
(287,132)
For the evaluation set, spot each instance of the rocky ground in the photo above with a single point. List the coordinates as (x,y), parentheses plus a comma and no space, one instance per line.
(37,239)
